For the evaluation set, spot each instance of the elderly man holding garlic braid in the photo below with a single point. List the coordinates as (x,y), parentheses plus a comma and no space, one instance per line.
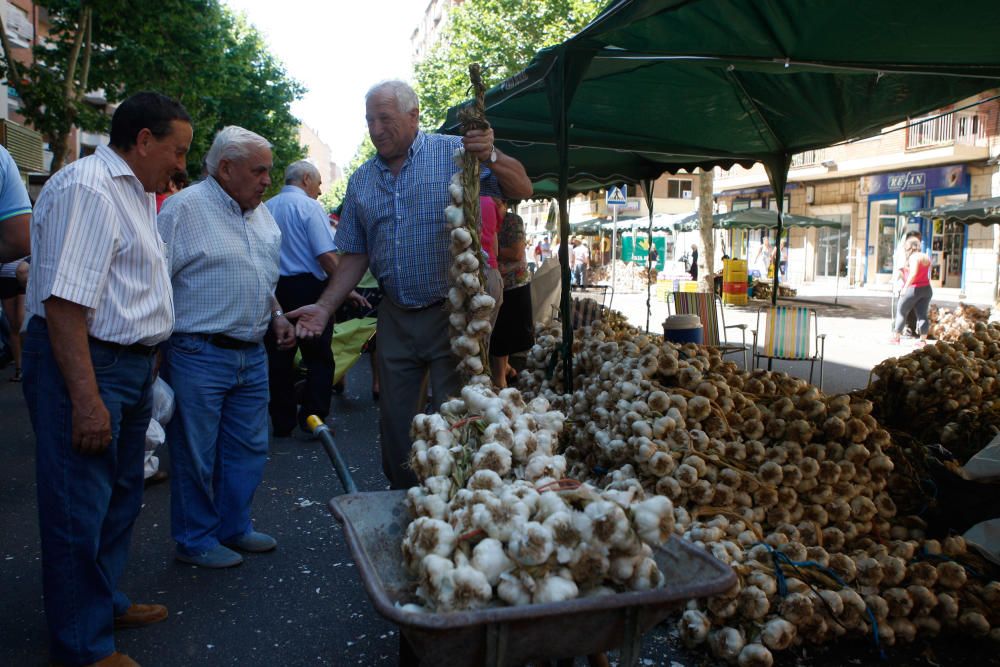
(393,222)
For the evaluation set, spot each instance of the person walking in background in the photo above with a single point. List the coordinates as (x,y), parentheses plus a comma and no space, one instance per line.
(899,277)
(98,304)
(693,269)
(178,182)
(12,296)
(392,220)
(580,260)
(515,327)
(307,261)
(223,253)
(654,258)
(916,292)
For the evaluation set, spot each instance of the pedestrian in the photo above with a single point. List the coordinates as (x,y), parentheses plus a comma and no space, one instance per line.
(546,249)
(490,216)
(223,251)
(12,298)
(98,305)
(899,277)
(693,269)
(654,258)
(393,220)
(515,327)
(15,211)
(916,292)
(580,260)
(307,260)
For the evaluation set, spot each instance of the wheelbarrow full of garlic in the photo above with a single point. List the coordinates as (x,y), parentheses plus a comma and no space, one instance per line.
(498,633)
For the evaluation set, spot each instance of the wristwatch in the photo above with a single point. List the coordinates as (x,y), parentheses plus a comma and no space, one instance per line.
(277,313)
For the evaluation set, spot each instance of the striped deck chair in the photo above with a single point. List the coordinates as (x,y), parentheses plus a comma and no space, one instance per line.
(708,307)
(790,333)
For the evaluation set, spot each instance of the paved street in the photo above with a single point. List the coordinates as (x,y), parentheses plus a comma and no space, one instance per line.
(304,603)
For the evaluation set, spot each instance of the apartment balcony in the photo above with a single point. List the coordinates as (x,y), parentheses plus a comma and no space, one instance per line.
(958,136)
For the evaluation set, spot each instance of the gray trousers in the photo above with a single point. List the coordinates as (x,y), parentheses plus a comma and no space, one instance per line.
(917,300)
(413,345)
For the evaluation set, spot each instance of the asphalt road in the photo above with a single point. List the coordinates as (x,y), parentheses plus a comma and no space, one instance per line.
(302,604)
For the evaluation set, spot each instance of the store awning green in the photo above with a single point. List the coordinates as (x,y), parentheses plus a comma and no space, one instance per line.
(983,211)
(753,218)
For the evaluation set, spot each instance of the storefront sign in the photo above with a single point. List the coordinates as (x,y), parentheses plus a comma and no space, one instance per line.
(914,181)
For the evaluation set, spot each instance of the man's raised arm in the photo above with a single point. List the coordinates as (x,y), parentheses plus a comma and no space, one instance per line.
(310,321)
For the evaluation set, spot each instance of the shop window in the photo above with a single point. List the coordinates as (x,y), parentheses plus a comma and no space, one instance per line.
(679,189)
(884,212)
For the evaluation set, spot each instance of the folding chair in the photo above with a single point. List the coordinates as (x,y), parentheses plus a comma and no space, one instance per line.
(790,333)
(708,307)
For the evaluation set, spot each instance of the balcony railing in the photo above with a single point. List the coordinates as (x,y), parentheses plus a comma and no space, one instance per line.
(808,158)
(954,128)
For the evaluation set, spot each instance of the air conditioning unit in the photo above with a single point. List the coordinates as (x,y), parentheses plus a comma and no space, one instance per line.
(687,194)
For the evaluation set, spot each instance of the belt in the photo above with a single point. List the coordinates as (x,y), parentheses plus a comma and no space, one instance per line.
(436,304)
(229,343)
(134,348)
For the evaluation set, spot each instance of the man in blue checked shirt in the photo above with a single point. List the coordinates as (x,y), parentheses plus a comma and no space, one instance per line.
(393,222)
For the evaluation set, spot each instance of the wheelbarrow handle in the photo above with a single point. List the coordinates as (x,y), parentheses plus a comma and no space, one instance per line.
(322,431)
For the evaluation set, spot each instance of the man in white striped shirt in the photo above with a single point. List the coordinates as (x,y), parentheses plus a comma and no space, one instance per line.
(98,304)
(223,250)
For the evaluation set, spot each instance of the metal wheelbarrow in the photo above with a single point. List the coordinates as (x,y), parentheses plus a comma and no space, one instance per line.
(374,524)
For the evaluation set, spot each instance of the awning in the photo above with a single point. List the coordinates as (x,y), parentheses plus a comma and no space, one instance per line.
(983,211)
(754,218)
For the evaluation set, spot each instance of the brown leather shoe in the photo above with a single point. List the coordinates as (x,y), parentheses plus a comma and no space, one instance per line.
(140,615)
(116,659)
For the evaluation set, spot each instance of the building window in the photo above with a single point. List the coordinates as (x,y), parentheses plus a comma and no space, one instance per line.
(19,27)
(679,189)
(885,213)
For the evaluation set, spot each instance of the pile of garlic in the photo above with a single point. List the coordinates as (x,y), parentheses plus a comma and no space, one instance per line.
(947,324)
(947,392)
(496,519)
(469,304)
(763,469)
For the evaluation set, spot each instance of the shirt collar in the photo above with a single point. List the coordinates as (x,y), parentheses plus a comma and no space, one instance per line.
(224,198)
(411,152)
(293,189)
(117,166)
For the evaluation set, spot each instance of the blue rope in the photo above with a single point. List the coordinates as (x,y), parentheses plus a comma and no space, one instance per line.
(780,557)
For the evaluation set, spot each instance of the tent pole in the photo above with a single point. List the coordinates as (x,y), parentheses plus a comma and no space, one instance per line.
(777,173)
(565,299)
(614,249)
(647,189)
(836,289)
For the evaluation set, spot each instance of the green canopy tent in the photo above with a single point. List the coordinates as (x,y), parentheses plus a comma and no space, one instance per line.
(983,211)
(679,84)
(762,218)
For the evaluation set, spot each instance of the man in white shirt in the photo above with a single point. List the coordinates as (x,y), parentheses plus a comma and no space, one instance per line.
(223,250)
(98,304)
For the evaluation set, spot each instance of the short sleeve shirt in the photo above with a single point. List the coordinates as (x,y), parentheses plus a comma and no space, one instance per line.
(305,231)
(223,262)
(398,220)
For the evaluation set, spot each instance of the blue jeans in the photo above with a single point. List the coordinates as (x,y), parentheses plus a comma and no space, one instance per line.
(87,504)
(217,437)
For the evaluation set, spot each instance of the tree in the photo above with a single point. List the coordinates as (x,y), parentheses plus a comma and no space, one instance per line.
(706,184)
(501,35)
(194,50)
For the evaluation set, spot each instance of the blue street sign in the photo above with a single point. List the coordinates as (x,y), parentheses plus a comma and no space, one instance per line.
(617,196)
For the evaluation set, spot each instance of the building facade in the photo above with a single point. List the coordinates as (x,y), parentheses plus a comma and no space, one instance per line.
(876,188)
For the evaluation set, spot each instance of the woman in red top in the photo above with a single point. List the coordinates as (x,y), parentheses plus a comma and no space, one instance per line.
(916,292)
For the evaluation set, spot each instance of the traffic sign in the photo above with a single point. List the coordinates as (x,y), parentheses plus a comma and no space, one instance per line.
(617,196)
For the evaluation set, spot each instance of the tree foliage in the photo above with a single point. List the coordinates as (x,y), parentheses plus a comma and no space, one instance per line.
(197,51)
(332,198)
(502,36)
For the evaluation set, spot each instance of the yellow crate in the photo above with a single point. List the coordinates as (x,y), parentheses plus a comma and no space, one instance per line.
(735,299)
(662,290)
(689,286)
(734,270)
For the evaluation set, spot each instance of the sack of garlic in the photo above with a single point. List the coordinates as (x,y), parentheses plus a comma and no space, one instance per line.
(557,491)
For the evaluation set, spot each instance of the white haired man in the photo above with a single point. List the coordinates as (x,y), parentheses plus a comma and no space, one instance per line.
(393,222)
(222,252)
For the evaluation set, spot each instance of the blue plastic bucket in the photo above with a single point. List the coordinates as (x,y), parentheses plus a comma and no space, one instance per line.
(683,329)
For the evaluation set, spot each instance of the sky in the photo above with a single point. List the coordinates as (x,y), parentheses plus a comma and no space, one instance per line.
(337,49)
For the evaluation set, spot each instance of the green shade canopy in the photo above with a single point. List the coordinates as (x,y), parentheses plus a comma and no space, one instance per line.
(983,211)
(753,218)
(663,85)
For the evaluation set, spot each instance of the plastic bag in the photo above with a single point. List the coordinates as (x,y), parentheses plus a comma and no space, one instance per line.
(985,466)
(163,401)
